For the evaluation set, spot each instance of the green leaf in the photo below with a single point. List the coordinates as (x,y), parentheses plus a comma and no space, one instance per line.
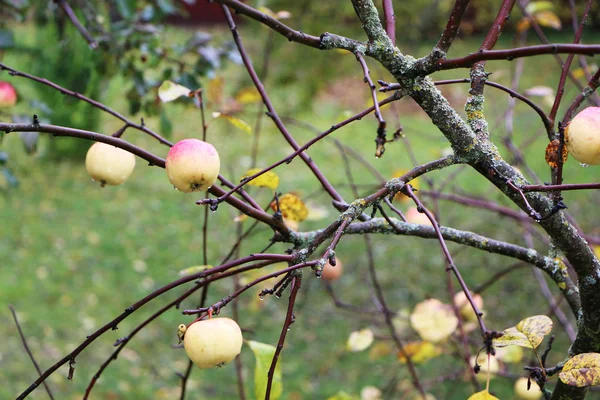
(528,333)
(263,354)
(125,8)
(582,370)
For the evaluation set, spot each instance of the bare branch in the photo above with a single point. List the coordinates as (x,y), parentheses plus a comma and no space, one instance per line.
(73,18)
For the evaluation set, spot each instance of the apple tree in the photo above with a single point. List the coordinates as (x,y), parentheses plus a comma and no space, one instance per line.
(556,247)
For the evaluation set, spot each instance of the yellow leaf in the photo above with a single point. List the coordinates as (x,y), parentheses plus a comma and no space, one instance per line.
(433,320)
(291,207)
(528,333)
(582,370)
(268,179)
(359,340)
(483,395)
(548,19)
(238,123)
(418,352)
(248,95)
(240,218)
(194,269)
(214,92)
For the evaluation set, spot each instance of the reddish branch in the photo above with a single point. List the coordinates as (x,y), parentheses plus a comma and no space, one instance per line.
(220,270)
(452,25)
(390,20)
(271,109)
(289,320)
(128,123)
(517,52)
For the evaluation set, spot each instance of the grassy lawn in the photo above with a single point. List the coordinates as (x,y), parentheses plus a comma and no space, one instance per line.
(74,255)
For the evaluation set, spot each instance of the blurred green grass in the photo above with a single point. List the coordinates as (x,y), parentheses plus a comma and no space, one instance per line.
(74,255)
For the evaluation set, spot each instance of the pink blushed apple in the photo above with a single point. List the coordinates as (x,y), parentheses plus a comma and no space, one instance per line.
(192,165)
(8,95)
(415,217)
(582,136)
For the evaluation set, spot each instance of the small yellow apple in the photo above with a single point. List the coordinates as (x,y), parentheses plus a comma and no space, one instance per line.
(213,342)
(108,164)
(534,392)
(482,360)
(582,136)
(331,273)
(192,165)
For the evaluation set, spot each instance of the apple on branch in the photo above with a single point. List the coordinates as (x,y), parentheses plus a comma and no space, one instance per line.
(8,95)
(192,165)
(212,342)
(582,136)
(108,164)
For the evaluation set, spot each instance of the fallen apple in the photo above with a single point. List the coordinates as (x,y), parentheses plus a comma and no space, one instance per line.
(192,165)
(582,136)
(108,164)
(212,342)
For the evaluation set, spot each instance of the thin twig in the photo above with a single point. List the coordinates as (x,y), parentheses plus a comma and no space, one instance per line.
(289,319)
(73,18)
(29,353)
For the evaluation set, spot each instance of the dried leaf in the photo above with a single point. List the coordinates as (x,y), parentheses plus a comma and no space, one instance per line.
(268,179)
(359,340)
(582,370)
(238,123)
(418,352)
(483,395)
(169,91)
(552,153)
(291,207)
(528,333)
(433,320)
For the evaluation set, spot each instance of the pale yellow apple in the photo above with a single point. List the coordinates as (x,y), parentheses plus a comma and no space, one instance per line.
(213,342)
(331,273)
(482,360)
(534,392)
(108,164)
(582,136)
(192,165)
